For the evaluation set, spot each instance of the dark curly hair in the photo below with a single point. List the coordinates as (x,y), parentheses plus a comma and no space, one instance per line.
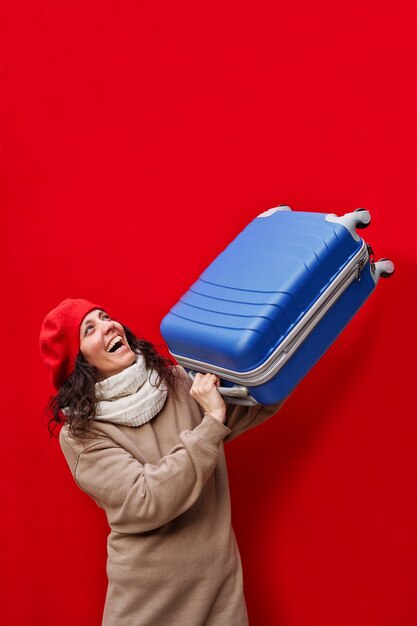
(77,394)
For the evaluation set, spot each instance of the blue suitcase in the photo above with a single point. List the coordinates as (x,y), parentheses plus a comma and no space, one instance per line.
(269,306)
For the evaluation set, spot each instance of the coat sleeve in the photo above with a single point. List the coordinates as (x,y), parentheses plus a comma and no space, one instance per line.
(242,418)
(142,497)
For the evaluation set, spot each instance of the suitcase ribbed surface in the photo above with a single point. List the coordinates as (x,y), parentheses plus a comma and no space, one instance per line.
(251,296)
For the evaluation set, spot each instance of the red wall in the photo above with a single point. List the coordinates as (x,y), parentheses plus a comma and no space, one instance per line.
(137,139)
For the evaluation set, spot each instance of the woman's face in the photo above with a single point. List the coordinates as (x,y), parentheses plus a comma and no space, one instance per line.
(103,343)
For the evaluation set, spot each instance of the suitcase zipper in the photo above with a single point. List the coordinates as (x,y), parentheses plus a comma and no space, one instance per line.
(296,337)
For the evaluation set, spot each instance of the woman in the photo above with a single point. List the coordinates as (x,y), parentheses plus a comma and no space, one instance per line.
(147,445)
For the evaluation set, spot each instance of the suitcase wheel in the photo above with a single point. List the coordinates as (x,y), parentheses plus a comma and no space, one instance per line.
(384,268)
(364,224)
(280,207)
(360,218)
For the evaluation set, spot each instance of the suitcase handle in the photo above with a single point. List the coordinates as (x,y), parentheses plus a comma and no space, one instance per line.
(238,392)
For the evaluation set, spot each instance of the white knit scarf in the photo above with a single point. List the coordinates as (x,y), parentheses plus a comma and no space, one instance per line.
(131,397)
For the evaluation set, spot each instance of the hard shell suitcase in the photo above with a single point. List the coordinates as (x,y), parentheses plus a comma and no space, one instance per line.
(269,306)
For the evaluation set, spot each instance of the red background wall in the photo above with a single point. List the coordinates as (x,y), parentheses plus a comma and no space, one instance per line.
(137,139)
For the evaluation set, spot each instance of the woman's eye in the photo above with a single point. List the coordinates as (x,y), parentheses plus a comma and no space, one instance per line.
(105,317)
(88,329)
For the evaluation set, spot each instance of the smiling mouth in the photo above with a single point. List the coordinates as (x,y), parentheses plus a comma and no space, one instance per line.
(115,344)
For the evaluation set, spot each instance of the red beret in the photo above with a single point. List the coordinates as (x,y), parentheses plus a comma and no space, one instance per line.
(60,337)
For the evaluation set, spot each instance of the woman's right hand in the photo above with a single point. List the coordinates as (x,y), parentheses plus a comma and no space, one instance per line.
(204,390)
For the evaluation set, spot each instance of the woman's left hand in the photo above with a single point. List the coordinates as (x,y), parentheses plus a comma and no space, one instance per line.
(204,390)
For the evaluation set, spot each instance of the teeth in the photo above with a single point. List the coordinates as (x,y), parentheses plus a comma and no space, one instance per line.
(113,342)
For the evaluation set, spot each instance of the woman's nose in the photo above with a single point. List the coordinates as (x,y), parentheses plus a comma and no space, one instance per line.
(108,325)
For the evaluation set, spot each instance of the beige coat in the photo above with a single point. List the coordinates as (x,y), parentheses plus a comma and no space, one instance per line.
(172,554)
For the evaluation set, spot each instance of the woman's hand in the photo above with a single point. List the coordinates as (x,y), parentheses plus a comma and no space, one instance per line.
(204,390)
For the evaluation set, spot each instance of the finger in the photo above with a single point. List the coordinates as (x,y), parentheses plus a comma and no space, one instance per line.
(209,381)
(210,377)
(196,380)
(196,387)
